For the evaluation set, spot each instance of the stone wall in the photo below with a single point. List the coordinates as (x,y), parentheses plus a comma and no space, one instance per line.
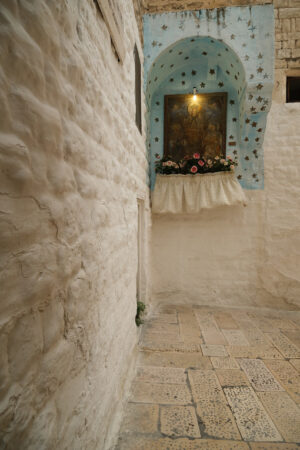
(153,6)
(73,164)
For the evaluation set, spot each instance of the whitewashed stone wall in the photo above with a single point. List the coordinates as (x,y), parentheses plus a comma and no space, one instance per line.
(73,164)
(239,256)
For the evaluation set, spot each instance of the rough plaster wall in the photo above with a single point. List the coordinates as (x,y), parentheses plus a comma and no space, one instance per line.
(239,256)
(72,166)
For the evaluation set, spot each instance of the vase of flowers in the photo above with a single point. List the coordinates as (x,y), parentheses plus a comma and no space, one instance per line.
(193,165)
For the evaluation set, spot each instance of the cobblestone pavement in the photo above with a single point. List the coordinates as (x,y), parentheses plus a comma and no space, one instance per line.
(215,379)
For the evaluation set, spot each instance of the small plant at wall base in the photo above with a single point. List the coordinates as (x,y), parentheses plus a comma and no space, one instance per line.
(194,165)
(139,312)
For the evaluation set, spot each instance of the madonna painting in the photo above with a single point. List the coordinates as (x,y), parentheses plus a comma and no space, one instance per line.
(195,124)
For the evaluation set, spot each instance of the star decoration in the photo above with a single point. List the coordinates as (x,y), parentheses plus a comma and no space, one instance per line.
(263,108)
(256,139)
(171,80)
(246,139)
(260,56)
(212,71)
(156,139)
(183,83)
(259,130)
(251,76)
(204,53)
(231,102)
(202,85)
(219,54)
(239,177)
(232,36)
(183,74)
(247,121)
(267,35)
(179,53)
(249,23)
(234,119)
(252,36)
(234,152)
(266,75)
(155,79)
(231,137)
(247,158)
(244,44)
(221,84)
(253,109)
(156,119)
(260,70)
(194,72)
(259,86)
(227,71)
(254,175)
(157,103)
(254,124)
(246,58)
(250,96)
(172,65)
(239,19)
(154,44)
(187,57)
(164,27)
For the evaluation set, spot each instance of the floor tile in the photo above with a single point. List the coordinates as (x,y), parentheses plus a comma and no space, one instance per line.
(147,443)
(284,412)
(225,321)
(140,417)
(213,336)
(259,375)
(232,377)
(293,336)
(283,371)
(152,374)
(213,350)
(255,337)
(295,363)
(269,446)
(255,351)
(165,318)
(179,421)
(169,394)
(252,419)
(171,346)
(224,362)
(174,359)
(284,345)
(235,337)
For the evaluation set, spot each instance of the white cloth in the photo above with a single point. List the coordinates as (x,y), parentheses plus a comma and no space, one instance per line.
(177,194)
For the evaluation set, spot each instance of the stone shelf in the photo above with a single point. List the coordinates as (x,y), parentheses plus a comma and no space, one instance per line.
(177,194)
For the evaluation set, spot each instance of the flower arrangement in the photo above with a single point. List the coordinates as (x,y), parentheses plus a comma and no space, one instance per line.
(196,164)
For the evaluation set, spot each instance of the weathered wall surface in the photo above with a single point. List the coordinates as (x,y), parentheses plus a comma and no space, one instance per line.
(72,166)
(239,256)
(153,6)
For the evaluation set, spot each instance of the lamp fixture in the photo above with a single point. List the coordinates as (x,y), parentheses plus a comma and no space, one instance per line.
(194,93)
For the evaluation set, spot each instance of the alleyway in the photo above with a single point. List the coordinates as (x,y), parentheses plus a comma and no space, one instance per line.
(216,379)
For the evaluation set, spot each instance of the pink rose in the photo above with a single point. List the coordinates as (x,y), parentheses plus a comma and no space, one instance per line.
(201,163)
(229,157)
(222,161)
(232,167)
(194,169)
(196,156)
(169,163)
(209,161)
(225,163)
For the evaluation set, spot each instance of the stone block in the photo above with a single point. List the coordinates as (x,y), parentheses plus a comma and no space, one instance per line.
(224,362)
(288,13)
(140,417)
(149,443)
(235,337)
(296,53)
(286,25)
(154,374)
(213,350)
(252,419)
(284,413)
(179,421)
(259,376)
(168,394)
(232,377)
(174,359)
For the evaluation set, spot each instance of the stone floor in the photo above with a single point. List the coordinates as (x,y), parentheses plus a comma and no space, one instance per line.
(215,379)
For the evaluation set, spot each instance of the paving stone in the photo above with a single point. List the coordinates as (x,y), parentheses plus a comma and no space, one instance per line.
(213,350)
(259,375)
(263,323)
(225,321)
(294,337)
(235,337)
(295,363)
(252,420)
(158,338)
(179,421)
(163,328)
(224,362)
(174,359)
(147,443)
(269,446)
(283,371)
(213,336)
(294,392)
(206,320)
(161,375)
(167,346)
(284,345)
(242,319)
(284,412)
(140,417)
(232,377)
(255,337)
(165,318)
(255,351)
(177,394)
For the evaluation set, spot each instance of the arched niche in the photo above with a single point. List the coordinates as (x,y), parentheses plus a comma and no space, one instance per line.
(242,66)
